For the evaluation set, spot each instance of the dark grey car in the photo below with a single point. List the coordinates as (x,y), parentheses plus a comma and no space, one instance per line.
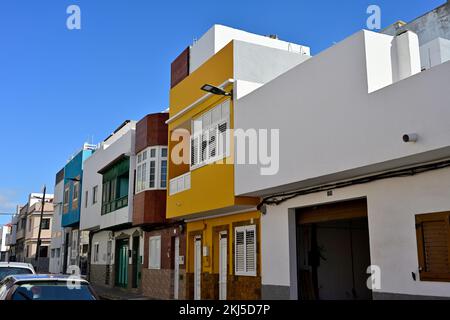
(45,287)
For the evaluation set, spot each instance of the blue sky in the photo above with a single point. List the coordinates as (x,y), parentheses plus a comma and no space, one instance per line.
(60,88)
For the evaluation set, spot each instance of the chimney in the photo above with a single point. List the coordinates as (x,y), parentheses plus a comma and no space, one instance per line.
(405,55)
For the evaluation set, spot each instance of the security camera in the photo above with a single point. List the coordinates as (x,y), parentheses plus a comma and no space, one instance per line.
(412,137)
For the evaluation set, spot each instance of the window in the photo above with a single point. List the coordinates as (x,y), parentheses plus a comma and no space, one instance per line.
(115,187)
(53,253)
(245,251)
(163,174)
(152,176)
(66,198)
(75,194)
(28,251)
(96,252)
(109,252)
(58,252)
(154,261)
(43,252)
(209,140)
(86,198)
(94,195)
(30,224)
(45,224)
(151,169)
(433,231)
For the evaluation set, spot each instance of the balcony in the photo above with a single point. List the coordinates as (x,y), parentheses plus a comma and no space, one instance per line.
(114,205)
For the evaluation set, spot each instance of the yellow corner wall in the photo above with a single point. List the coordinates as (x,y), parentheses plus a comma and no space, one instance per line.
(212,186)
(214,71)
(210,239)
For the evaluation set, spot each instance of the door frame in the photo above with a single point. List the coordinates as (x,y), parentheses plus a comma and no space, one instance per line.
(348,209)
(176,267)
(198,268)
(135,261)
(223,236)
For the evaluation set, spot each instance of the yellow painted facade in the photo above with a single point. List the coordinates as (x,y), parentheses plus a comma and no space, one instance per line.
(209,230)
(210,202)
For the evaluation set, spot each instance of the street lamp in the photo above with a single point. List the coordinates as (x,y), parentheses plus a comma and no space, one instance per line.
(215,90)
(38,246)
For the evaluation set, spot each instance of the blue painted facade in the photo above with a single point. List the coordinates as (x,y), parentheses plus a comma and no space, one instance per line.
(73,178)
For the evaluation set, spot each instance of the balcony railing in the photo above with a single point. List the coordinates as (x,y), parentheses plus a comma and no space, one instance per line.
(180,184)
(114,205)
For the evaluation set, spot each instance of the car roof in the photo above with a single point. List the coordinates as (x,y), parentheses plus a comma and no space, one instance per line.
(16,265)
(17,278)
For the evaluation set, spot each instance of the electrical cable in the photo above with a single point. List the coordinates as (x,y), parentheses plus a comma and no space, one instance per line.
(282,197)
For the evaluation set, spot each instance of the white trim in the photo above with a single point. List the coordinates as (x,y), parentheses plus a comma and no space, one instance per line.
(198,101)
(246,271)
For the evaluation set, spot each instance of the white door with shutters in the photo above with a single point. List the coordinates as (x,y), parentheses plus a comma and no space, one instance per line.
(177,268)
(223,259)
(197,268)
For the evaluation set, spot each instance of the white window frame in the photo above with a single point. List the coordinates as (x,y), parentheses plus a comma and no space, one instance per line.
(144,161)
(156,265)
(206,127)
(94,194)
(245,272)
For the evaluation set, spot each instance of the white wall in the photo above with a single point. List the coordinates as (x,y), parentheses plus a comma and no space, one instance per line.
(102,239)
(434,53)
(331,128)
(91,217)
(392,206)
(56,263)
(219,36)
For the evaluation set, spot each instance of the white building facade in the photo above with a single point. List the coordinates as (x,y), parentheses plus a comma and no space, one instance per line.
(106,214)
(362,179)
(57,245)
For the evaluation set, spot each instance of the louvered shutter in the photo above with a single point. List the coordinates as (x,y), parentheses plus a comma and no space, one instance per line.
(245,251)
(250,250)
(433,237)
(239,258)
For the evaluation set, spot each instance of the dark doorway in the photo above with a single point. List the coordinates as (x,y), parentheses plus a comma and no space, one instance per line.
(136,262)
(333,252)
(66,252)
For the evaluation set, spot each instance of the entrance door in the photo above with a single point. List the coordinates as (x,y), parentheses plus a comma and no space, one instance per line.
(333,251)
(223,259)
(122,263)
(197,267)
(176,276)
(135,258)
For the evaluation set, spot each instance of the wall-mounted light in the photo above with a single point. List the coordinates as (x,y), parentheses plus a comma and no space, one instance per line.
(215,90)
(411,137)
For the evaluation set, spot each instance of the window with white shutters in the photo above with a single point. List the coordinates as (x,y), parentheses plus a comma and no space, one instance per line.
(209,141)
(154,261)
(245,251)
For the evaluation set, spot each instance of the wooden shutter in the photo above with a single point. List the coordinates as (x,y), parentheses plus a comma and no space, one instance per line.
(433,243)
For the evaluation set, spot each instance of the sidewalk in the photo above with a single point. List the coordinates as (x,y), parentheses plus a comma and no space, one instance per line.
(105,293)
